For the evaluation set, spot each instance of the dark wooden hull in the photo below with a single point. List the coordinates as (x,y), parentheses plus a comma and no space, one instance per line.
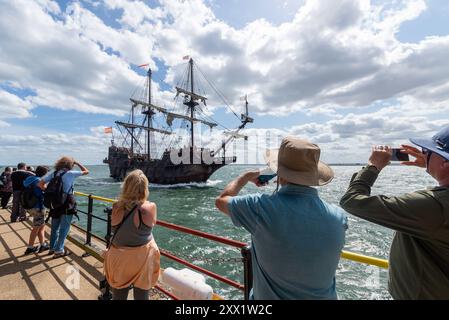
(160,171)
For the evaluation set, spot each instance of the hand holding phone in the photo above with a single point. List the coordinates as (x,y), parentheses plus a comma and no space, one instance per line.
(266,175)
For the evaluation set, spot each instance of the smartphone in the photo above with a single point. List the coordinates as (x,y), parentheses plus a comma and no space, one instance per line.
(266,175)
(398,155)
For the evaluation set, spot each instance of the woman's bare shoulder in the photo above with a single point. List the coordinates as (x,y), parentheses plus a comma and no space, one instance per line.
(149,206)
(150,213)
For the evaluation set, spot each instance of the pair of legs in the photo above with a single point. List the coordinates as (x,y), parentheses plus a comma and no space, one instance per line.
(60,228)
(122,294)
(17,210)
(5,198)
(37,232)
(38,226)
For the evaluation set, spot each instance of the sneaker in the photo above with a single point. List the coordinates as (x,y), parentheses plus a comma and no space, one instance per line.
(61,254)
(31,250)
(44,247)
(50,252)
(23,219)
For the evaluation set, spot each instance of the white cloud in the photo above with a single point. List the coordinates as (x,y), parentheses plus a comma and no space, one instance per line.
(46,148)
(341,54)
(11,106)
(60,63)
(135,13)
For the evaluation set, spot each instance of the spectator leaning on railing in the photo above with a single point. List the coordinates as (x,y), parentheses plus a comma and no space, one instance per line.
(133,258)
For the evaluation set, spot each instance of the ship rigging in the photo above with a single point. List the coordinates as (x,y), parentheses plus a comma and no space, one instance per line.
(158,153)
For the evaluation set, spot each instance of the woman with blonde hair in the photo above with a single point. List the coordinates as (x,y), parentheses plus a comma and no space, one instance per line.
(133,258)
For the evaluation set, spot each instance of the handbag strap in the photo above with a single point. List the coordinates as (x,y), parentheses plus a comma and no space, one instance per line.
(120,224)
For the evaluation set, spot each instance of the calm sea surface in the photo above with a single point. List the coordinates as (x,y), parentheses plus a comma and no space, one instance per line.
(193,206)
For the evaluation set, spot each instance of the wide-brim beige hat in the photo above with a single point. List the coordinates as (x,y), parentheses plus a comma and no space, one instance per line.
(297,161)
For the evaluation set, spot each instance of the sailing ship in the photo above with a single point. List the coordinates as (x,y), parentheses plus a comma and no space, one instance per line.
(173,164)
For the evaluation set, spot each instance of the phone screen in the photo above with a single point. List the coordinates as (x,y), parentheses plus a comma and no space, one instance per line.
(398,155)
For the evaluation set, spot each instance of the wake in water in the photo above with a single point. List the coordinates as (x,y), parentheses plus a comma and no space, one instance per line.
(92,181)
(200,185)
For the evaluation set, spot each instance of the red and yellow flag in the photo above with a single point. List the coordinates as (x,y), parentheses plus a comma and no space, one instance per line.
(108,130)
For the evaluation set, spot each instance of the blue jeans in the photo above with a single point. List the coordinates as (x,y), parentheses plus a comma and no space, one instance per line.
(60,228)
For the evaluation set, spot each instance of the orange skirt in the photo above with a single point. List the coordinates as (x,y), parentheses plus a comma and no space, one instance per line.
(138,266)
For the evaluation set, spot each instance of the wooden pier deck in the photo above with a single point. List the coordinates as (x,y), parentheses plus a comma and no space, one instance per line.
(39,276)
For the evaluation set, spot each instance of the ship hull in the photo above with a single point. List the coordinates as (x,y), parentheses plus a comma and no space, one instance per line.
(160,171)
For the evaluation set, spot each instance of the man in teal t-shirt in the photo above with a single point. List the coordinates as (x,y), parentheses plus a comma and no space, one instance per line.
(296,237)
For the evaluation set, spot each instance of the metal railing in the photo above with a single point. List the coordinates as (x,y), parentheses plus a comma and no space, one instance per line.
(244,248)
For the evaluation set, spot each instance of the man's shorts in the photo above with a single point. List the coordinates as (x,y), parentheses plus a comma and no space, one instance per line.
(38,216)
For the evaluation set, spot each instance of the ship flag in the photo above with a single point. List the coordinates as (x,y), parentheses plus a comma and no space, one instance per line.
(186,58)
(243,98)
(108,130)
(144,65)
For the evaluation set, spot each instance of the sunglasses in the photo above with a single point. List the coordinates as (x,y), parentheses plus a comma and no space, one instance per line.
(425,151)
(428,153)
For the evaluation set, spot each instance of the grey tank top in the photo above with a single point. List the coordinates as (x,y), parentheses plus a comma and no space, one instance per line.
(131,236)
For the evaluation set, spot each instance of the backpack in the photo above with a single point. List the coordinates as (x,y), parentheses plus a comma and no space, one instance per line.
(28,199)
(54,195)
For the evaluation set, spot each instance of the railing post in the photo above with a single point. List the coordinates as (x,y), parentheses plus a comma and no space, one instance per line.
(89,220)
(104,285)
(108,211)
(247,271)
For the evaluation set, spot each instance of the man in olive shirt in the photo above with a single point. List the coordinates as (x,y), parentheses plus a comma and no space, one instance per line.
(419,255)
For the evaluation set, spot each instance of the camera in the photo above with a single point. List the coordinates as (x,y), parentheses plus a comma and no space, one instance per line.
(398,155)
(266,175)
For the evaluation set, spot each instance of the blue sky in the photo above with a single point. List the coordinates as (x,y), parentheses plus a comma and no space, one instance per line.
(356,72)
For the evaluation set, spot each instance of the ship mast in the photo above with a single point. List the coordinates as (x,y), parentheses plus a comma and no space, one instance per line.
(191,103)
(150,115)
(245,119)
(148,112)
(132,130)
(192,107)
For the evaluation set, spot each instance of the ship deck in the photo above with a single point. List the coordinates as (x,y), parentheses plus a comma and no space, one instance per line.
(39,276)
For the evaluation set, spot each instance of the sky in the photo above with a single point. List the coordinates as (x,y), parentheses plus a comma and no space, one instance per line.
(344,74)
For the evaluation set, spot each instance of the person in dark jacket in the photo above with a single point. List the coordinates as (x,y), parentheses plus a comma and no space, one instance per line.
(17,178)
(6,189)
(38,212)
(419,255)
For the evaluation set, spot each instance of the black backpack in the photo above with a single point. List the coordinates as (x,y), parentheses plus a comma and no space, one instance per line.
(54,195)
(28,199)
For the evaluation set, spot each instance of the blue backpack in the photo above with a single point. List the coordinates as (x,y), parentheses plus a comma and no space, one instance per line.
(28,198)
